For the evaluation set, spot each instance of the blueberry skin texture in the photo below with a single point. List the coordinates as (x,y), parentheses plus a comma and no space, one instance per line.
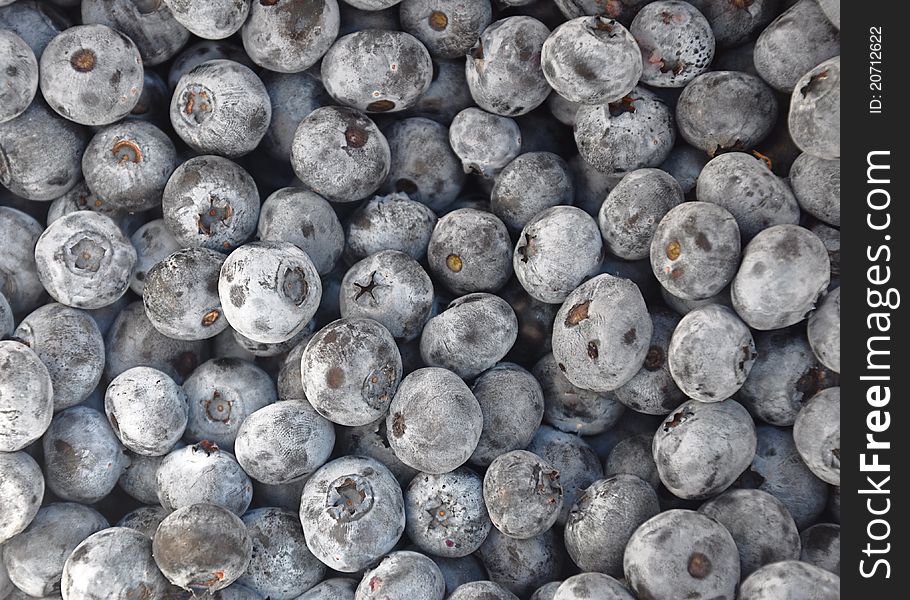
(83,457)
(459,571)
(21,491)
(572,409)
(128,164)
(749,190)
(558,249)
(685,164)
(377,70)
(512,404)
(283,442)
(402,574)
(634,132)
(153,100)
(633,456)
(734,23)
(582,585)
(823,331)
(814,118)
(282,566)
(548,590)
(144,519)
(7,324)
(91,74)
(535,324)
(293,97)
(784,271)
(392,222)
(210,19)
(20,75)
(203,473)
(211,202)
(623,11)
(339,153)
(602,333)
(138,480)
(81,198)
(591,60)
(830,237)
(447,30)
(290,36)
(372,441)
(423,164)
(760,524)
(470,251)
(35,22)
(352,513)
(694,460)
(522,566)
(147,410)
(435,421)
(790,580)
(797,40)
(486,590)
(70,345)
(522,494)
(531,183)
(350,371)
(447,95)
(503,67)
(817,435)
(633,209)
(389,287)
(19,281)
(40,153)
(182,548)
(726,110)
(484,155)
(306,220)
(153,243)
(816,185)
(26,396)
(372,5)
(204,51)
(132,341)
(96,569)
(785,375)
(669,29)
(446,514)
(56,530)
(221,107)
(682,552)
(820,546)
(156,32)
(84,260)
(471,335)
(222,393)
(336,588)
(652,390)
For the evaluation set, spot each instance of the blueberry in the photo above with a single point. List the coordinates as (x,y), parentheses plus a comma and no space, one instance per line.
(402,574)
(816,185)
(336,588)
(282,566)
(563,110)
(682,550)
(19,70)
(151,25)
(70,345)
(676,42)
(623,10)
(82,457)
(797,40)
(489,153)
(591,60)
(7,323)
(144,519)
(718,438)
(305,219)
(749,190)
(633,132)
(203,473)
(548,590)
(652,390)
(575,461)
(685,164)
(147,410)
(817,435)
(21,490)
(591,186)
(820,546)
(91,74)
(204,51)
(56,530)
(153,100)
(447,95)
(485,590)
(128,164)
(446,514)
(352,513)
(80,198)
(389,287)
(222,393)
(521,566)
(459,571)
(182,548)
(583,585)
(26,396)
(470,251)
(359,76)
(784,271)
(393,222)
(339,153)
(814,117)
(531,183)
(372,5)
(246,348)
(573,409)
(447,30)
(293,97)
(535,324)
(113,562)
(221,107)
(824,331)
(19,281)
(139,478)
(503,67)
(721,111)
(733,23)
(789,580)
(40,153)
(212,202)
(290,36)
(633,456)
(210,19)
(153,242)
(35,22)
(602,333)
(522,494)
(372,441)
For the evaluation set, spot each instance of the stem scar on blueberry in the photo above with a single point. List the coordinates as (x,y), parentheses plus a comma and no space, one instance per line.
(678,419)
(577,314)
(438,20)
(454,263)
(368,288)
(380,106)
(814,83)
(209,318)
(355,137)
(673,250)
(525,250)
(83,60)
(127,151)
(699,565)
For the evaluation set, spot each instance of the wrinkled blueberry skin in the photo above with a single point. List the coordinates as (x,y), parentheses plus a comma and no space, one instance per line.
(484,154)
(533,182)
(447,30)
(789,580)
(522,566)
(22,490)
(210,19)
(817,435)
(820,546)
(147,410)
(816,185)
(19,76)
(676,43)
(402,574)
(289,37)
(583,585)
(522,494)
(156,33)
(470,251)
(393,222)
(823,331)
(26,396)
(575,461)
(814,118)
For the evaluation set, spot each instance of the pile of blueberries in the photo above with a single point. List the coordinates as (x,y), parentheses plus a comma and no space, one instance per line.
(419,299)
